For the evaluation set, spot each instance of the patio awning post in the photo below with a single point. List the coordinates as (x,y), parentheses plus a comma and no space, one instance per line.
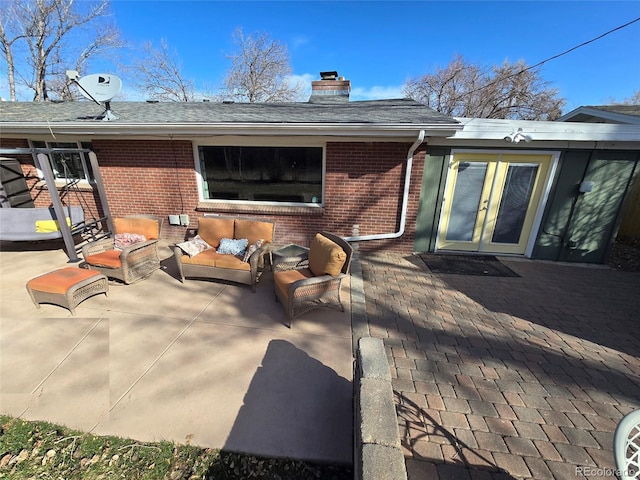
(93,158)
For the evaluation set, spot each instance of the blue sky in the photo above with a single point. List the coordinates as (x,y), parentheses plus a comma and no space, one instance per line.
(378,45)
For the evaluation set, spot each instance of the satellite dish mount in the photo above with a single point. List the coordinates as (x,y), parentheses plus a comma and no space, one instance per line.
(99,87)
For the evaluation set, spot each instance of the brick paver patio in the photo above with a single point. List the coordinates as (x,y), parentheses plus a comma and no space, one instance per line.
(496,377)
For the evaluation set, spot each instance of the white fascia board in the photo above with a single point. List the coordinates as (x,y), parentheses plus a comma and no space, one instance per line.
(209,129)
(494,129)
(534,145)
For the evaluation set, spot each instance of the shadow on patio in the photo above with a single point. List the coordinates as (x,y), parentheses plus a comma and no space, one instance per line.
(164,360)
(292,407)
(511,369)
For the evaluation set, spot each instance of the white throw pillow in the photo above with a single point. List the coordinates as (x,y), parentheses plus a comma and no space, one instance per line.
(251,249)
(230,246)
(194,247)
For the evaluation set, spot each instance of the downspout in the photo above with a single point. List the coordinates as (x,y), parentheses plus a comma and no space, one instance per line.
(405,199)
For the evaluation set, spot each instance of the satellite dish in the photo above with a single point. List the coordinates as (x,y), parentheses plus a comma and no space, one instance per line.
(100,86)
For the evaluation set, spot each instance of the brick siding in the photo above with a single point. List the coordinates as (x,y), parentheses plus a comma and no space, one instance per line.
(364,186)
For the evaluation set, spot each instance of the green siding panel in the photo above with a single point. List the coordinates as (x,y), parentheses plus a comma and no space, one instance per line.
(596,212)
(433,179)
(579,227)
(569,174)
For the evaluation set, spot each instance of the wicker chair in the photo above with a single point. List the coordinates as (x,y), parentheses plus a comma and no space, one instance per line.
(316,280)
(626,446)
(133,263)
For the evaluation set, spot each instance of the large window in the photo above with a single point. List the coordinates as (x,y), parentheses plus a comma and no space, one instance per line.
(262,174)
(69,160)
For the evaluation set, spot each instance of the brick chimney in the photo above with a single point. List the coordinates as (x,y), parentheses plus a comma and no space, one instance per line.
(331,89)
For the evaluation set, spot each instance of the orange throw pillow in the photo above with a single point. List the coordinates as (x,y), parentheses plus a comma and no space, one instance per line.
(325,257)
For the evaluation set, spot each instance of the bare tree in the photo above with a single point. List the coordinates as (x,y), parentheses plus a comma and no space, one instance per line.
(51,31)
(632,100)
(159,74)
(259,70)
(9,35)
(510,90)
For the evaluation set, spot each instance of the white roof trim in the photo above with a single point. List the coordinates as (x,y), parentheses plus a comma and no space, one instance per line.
(493,129)
(210,129)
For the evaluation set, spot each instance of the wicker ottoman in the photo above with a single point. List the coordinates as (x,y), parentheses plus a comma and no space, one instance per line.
(67,287)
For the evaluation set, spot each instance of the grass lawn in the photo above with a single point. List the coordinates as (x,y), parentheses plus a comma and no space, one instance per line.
(41,450)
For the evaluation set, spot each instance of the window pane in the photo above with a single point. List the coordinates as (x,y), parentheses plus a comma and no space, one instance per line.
(273,174)
(466,201)
(513,206)
(67,166)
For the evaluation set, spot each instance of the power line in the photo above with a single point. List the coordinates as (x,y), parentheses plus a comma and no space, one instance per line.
(582,44)
(555,56)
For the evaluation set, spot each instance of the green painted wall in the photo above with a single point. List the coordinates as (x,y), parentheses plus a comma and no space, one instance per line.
(575,227)
(433,180)
(579,227)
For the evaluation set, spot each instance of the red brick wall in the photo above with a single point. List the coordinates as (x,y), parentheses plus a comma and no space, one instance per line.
(365,183)
(364,186)
(153,177)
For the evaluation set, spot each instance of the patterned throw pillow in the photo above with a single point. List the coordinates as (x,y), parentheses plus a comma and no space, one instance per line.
(252,248)
(194,247)
(232,247)
(124,240)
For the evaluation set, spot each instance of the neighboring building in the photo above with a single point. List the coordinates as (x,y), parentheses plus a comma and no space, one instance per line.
(619,114)
(394,173)
(622,114)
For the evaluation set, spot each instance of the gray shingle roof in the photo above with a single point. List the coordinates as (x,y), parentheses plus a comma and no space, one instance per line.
(395,112)
(621,114)
(623,109)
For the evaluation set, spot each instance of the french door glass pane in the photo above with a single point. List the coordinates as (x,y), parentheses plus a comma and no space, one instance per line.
(515,201)
(466,201)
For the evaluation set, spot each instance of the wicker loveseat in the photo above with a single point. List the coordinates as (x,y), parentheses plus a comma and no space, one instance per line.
(212,265)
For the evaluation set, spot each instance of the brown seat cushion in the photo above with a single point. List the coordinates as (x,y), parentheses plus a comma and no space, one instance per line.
(283,279)
(206,258)
(211,230)
(109,259)
(210,258)
(232,262)
(253,230)
(325,256)
(60,281)
(147,227)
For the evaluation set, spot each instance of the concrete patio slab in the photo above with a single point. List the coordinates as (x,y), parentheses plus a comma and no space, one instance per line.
(203,362)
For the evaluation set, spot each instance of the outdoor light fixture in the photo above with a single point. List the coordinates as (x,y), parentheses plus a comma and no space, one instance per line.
(517,136)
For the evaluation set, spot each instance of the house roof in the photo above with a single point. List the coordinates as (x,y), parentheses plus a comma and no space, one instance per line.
(625,114)
(391,116)
(484,132)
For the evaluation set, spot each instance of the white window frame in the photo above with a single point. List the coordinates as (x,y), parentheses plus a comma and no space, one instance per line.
(50,149)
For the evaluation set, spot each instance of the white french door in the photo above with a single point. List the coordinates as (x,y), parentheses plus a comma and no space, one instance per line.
(491,201)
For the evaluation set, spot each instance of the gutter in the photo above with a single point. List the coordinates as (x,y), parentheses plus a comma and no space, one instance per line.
(405,199)
(131,130)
